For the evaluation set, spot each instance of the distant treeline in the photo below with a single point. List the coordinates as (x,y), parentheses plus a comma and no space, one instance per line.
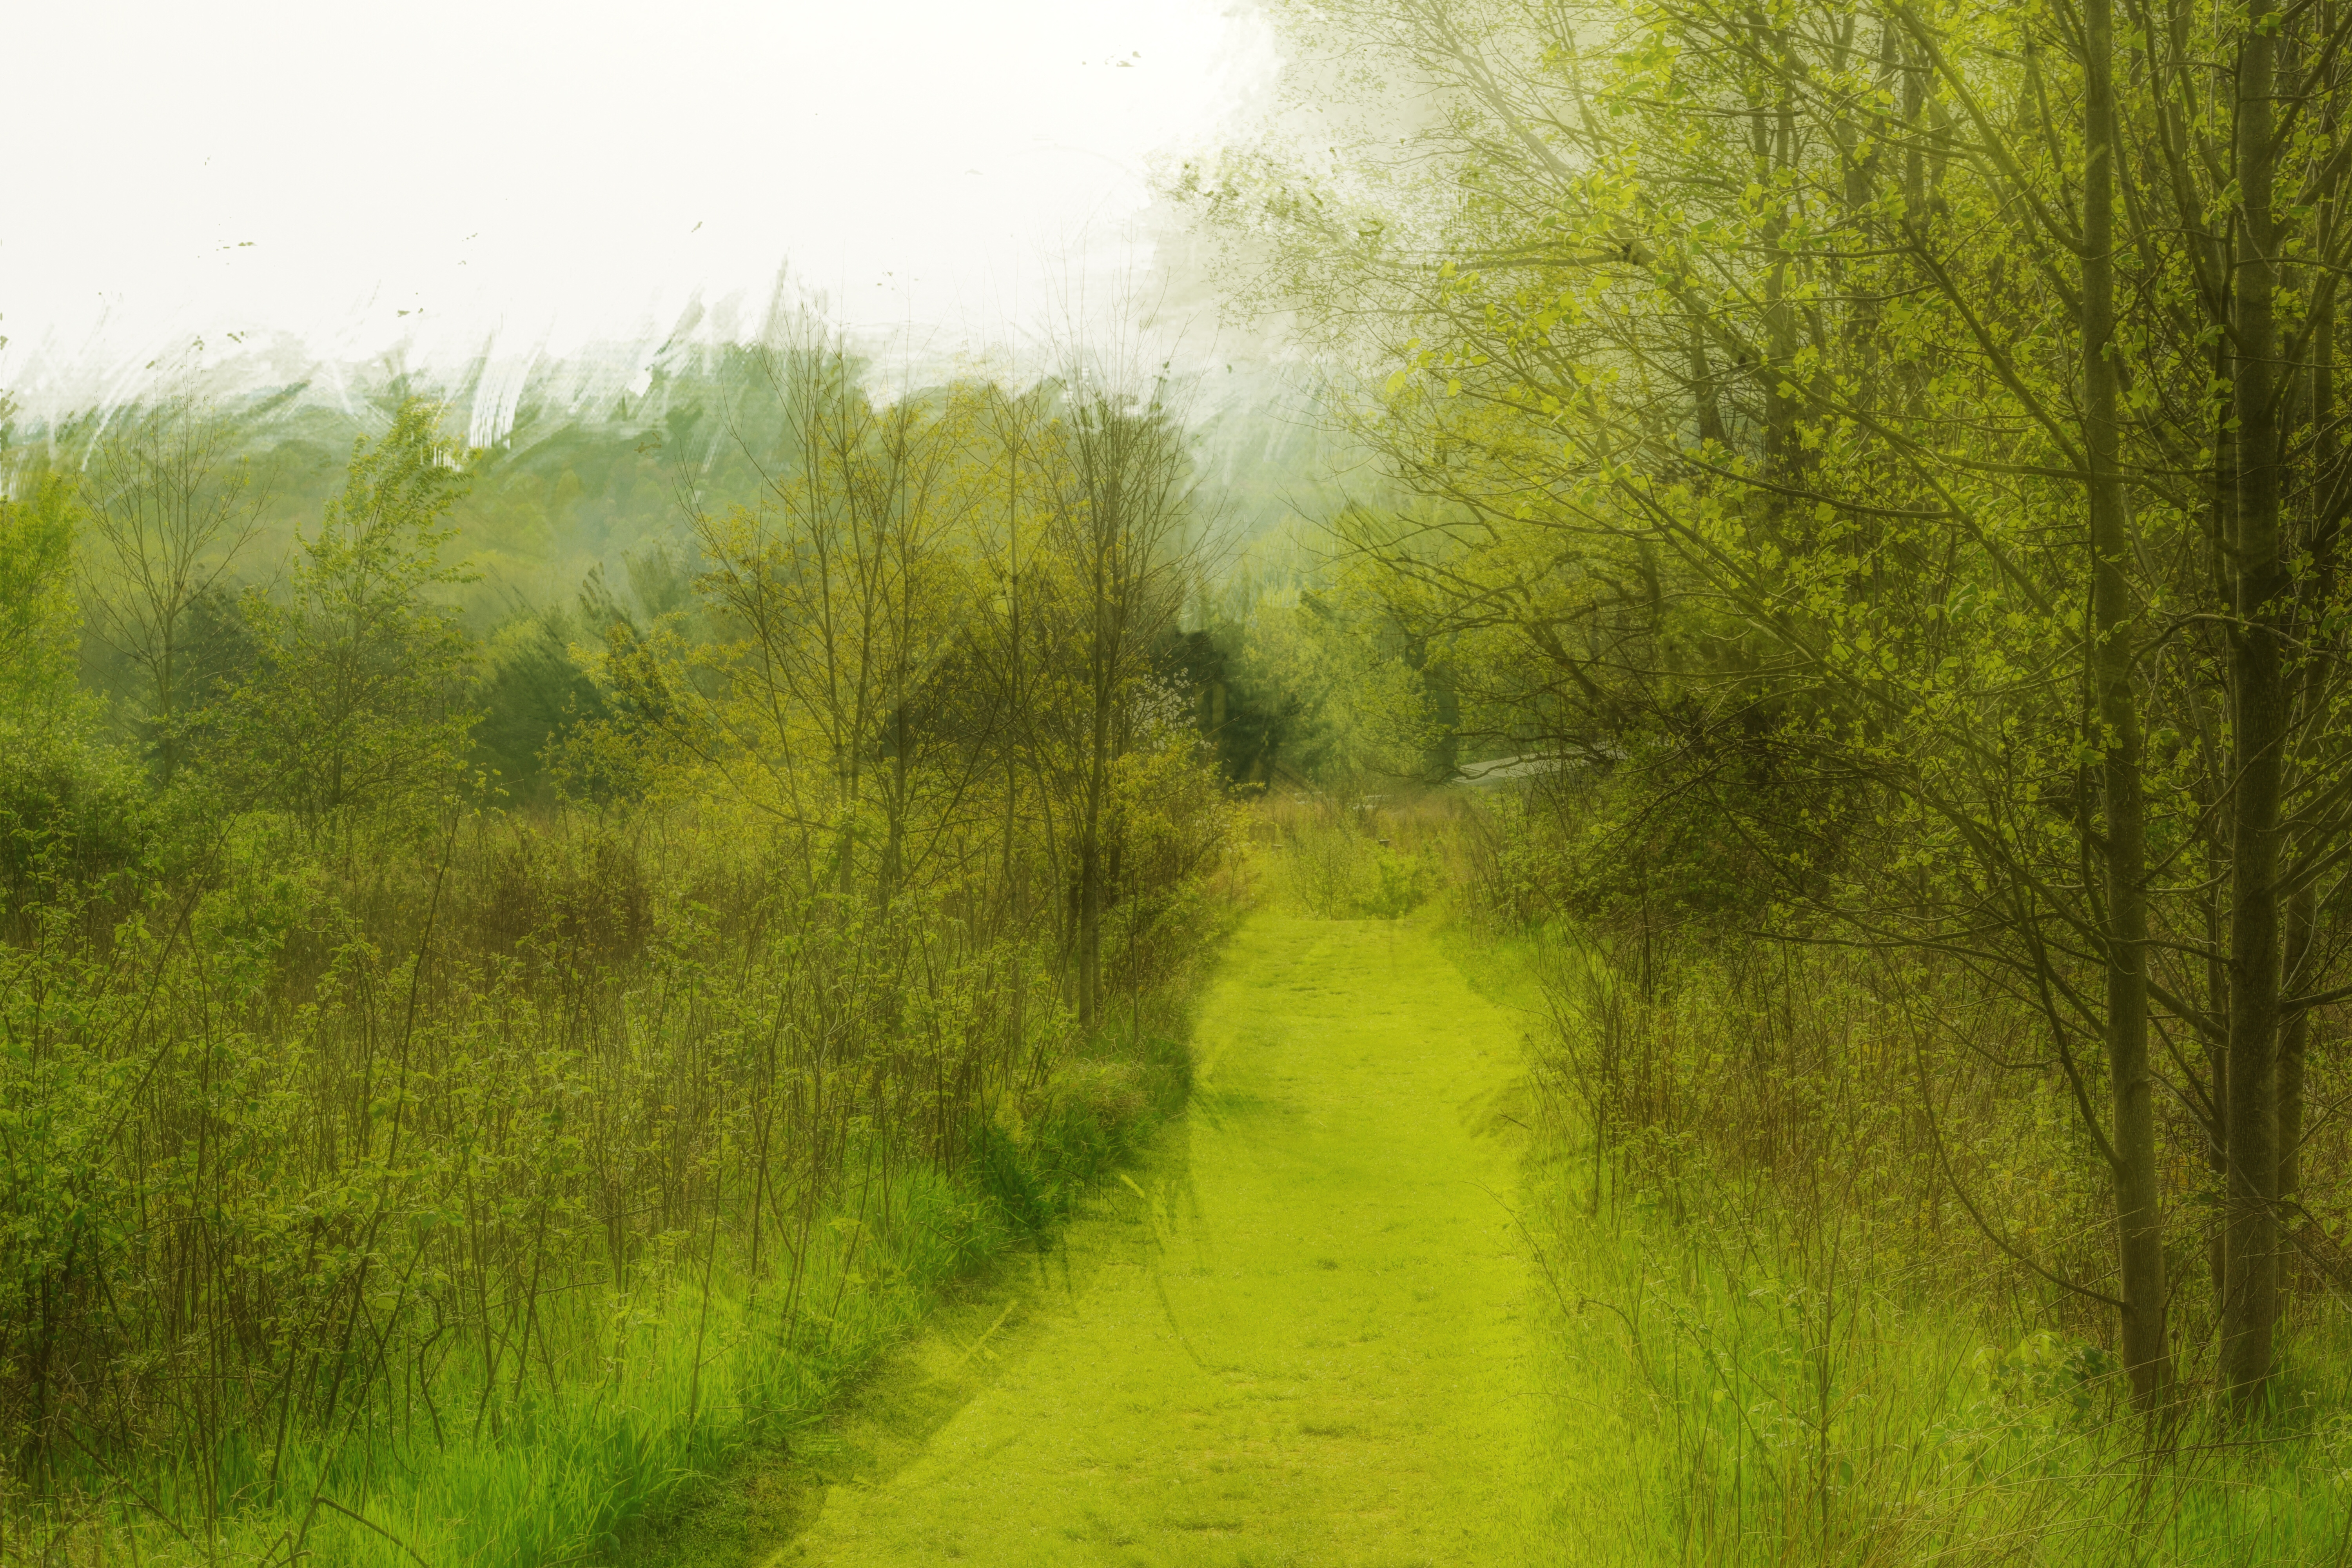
(578,514)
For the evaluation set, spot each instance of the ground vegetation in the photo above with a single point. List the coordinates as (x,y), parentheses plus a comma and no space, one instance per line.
(468,1071)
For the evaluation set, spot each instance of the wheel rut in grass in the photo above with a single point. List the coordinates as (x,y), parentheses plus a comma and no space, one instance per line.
(1300,1333)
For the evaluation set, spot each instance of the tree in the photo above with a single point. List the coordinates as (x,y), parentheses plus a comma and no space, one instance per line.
(838,598)
(169,506)
(357,706)
(37,619)
(1121,506)
(1766,375)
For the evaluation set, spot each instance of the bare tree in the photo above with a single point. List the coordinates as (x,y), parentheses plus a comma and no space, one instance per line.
(839,604)
(1120,528)
(170,503)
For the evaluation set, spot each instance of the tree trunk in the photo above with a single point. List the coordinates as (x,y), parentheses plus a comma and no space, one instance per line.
(2319,592)
(2222,530)
(1090,832)
(1090,893)
(2249,1310)
(2139,1233)
(2295,1037)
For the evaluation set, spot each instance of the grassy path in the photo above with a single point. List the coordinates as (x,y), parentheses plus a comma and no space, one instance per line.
(1300,1335)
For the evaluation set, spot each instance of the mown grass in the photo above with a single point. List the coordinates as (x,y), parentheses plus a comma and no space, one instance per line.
(1297,1339)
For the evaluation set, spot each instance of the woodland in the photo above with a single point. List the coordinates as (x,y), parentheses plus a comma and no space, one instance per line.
(1806,542)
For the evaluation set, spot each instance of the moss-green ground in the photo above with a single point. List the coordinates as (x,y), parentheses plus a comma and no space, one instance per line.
(1304,1331)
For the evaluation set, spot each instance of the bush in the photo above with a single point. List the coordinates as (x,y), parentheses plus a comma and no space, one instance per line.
(71,813)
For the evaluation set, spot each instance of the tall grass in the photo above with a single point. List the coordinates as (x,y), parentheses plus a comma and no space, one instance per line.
(466,1205)
(1829,1416)
(1821,1200)
(1336,856)
(1818,1283)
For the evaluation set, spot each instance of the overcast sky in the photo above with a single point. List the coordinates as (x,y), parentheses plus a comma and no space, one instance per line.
(560,174)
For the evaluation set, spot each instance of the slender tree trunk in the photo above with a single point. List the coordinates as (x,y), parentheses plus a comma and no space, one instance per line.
(2217,1056)
(1783,451)
(2294,1038)
(2222,530)
(1702,392)
(2139,1233)
(1090,865)
(2319,592)
(2250,1312)
(166,697)
(847,775)
(894,789)
(1016,717)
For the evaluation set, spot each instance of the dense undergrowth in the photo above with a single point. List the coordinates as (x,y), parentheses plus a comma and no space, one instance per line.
(1837,1223)
(468,1208)
(1377,857)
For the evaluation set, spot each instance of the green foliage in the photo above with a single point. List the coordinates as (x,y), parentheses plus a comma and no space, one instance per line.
(166,503)
(1309,675)
(534,696)
(1810,1268)
(1783,1411)
(1377,859)
(388,1173)
(39,621)
(1351,712)
(1401,884)
(1719,835)
(355,702)
(1102,1110)
(553,1174)
(1857,430)
(1757,1263)
(72,812)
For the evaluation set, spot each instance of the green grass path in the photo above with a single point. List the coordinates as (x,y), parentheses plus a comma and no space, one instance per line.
(1302,1334)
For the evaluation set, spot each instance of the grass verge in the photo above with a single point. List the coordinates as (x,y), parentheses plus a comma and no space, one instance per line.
(1796,1389)
(655,1392)
(1788,1410)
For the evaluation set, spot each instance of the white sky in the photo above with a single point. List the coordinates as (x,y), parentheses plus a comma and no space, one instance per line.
(553,174)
